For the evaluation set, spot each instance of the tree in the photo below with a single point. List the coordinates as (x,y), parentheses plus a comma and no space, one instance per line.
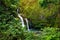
(10,26)
(39,10)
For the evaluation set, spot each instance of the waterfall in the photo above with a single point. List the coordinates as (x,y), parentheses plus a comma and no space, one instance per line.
(27,24)
(21,18)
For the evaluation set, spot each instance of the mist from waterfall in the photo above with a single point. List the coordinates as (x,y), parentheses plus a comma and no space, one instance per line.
(27,24)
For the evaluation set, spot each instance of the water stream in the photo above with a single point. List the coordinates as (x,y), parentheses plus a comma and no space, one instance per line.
(21,18)
(22,21)
(27,24)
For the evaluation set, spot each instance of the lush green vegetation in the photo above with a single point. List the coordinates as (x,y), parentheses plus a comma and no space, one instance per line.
(44,14)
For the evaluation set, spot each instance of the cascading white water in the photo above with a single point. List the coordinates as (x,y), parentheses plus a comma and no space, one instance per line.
(27,24)
(21,18)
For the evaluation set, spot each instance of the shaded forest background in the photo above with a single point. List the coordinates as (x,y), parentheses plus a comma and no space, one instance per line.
(44,14)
